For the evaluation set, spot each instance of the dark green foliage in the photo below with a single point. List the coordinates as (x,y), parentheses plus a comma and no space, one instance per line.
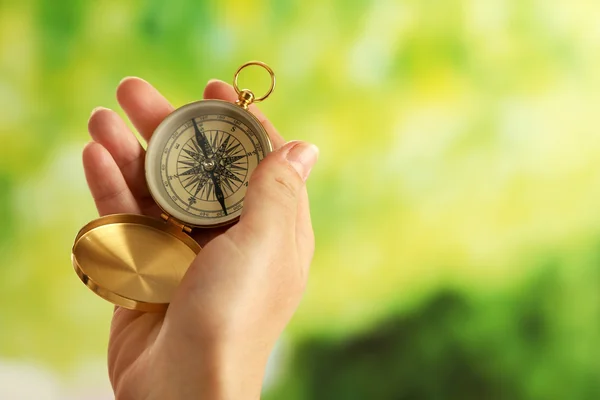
(451,348)
(420,356)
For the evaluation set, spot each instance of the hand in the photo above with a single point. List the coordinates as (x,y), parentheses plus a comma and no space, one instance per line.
(241,290)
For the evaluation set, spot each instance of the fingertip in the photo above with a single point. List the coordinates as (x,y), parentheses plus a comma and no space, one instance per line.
(98,109)
(92,154)
(127,78)
(131,78)
(301,155)
(143,104)
(89,147)
(288,146)
(98,115)
(218,89)
(214,81)
(129,85)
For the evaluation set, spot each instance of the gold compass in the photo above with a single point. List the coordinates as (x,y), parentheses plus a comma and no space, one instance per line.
(198,164)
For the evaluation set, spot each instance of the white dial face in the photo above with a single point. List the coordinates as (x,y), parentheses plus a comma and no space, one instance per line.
(199,163)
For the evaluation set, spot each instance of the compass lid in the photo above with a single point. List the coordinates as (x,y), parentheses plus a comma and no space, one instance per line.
(133,261)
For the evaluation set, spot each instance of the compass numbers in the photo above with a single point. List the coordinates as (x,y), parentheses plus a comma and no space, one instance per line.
(206,164)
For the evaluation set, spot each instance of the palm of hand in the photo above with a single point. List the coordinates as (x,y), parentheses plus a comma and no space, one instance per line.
(134,333)
(114,167)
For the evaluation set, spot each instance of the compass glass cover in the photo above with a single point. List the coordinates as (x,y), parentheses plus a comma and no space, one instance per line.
(200,158)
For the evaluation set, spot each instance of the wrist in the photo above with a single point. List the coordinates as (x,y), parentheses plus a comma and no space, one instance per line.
(217,371)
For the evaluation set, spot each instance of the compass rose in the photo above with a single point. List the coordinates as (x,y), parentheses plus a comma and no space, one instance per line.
(212,166)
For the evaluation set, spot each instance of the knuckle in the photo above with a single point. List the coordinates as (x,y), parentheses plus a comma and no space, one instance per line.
(280,181)
(285,186)
(110,196)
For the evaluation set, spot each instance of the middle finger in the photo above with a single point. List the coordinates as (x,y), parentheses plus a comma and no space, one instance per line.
(143,104)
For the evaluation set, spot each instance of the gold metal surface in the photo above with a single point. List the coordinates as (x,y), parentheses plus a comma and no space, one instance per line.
(133,261)
(246,97)
(175,222)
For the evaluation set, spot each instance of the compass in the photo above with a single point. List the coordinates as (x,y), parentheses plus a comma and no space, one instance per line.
(198,164)
(199,161)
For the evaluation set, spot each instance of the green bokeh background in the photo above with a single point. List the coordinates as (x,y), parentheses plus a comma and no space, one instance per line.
(454,203)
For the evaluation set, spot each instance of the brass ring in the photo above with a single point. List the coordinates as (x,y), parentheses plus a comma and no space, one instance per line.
(260,64)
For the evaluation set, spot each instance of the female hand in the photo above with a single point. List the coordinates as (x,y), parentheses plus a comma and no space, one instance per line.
(241,290)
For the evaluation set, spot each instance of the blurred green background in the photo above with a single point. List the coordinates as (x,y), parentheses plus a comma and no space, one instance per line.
(454,203)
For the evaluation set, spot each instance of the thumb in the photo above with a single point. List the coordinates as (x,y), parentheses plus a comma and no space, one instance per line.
(271,201)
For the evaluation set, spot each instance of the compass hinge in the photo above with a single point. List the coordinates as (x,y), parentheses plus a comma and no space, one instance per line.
(178,224)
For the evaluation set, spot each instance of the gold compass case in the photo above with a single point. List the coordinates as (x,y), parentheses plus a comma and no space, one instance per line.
(198,165)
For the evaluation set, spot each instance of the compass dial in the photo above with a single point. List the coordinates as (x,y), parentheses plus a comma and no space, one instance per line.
(200,159)
(192,175)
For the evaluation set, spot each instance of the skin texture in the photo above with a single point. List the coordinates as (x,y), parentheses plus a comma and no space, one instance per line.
(241,290)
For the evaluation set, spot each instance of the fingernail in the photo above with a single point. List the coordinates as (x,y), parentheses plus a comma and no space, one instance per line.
(303,157)
(213,81)
(95,110)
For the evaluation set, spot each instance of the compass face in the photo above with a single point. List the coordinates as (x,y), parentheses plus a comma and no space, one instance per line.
(200,159)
